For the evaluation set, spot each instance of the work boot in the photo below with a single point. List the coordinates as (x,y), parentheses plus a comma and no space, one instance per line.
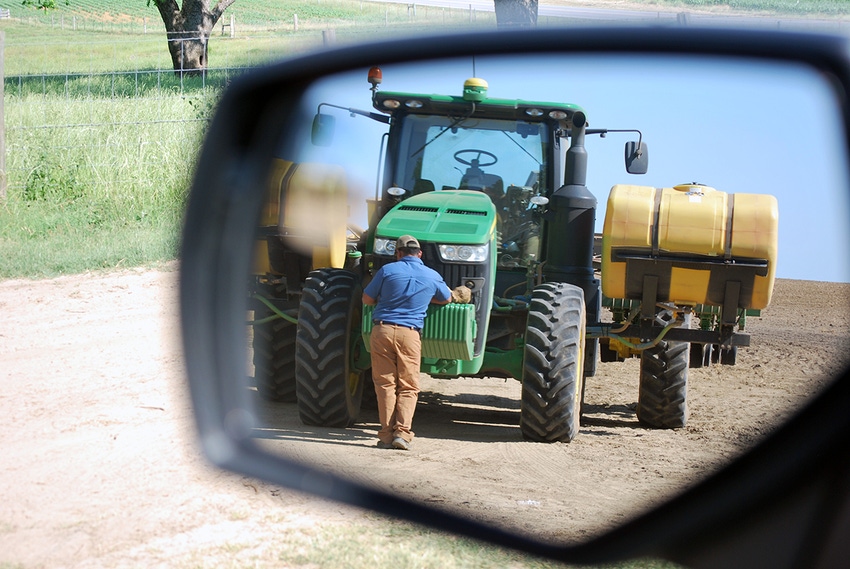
(401,444)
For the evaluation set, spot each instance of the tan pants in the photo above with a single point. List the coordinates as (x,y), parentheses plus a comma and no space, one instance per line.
(395,372)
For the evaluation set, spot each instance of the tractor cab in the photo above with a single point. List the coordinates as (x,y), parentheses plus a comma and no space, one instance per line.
(505,149)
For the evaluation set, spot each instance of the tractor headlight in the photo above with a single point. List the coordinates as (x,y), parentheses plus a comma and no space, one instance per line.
(465,253)
(384,246)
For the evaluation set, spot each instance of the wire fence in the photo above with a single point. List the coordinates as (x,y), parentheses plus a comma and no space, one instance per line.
(74,134)
(93,104)
(77,134)
(96,102)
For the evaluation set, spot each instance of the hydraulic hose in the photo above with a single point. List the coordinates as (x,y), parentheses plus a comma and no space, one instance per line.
(651,344)
(277,312)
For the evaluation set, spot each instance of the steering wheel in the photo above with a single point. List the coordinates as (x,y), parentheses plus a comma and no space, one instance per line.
(477,158)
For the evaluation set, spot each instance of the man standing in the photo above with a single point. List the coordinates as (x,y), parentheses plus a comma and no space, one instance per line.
(400,292)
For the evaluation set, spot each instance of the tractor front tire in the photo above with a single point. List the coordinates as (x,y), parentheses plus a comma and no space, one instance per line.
(274,355)
(662,396)
(553,366)
(329,389)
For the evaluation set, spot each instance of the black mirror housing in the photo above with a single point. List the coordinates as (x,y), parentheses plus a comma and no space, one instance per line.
(786,503)
(323,129)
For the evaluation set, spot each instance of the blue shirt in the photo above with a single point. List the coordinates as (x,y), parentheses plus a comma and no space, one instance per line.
(404,290)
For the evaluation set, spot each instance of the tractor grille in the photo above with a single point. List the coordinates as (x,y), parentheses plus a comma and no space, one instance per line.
(453,273)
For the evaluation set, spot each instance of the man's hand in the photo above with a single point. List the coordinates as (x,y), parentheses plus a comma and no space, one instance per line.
(461,295)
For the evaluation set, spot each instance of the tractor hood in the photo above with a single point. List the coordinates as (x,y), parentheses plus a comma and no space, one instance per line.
(450,216)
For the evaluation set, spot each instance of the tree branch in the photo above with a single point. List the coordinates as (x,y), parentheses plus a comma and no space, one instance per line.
(170,13)
(219,8)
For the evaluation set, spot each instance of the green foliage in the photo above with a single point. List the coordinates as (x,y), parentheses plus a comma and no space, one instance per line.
(43,5)
(51,180)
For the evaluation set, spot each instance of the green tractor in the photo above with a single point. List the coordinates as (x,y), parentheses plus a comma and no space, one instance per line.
(495,192)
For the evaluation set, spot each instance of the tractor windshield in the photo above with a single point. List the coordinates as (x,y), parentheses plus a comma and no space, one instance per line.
(441,153)
(506,159)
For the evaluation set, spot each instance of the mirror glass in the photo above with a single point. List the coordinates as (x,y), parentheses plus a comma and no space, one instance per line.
(707,125)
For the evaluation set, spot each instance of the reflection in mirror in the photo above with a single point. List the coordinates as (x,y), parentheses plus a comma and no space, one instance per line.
(626,334)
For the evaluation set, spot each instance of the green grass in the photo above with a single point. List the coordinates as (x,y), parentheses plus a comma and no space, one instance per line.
(403,546)
(96,177)
(377,543)
(789,7)
(101,136)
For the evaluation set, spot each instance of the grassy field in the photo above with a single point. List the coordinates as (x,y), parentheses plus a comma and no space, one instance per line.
(101,136)
(791,7)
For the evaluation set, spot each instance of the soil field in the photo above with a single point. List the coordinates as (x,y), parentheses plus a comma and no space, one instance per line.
(100,466)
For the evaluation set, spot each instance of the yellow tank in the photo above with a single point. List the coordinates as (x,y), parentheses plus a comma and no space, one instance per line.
(307,205)
(696,240)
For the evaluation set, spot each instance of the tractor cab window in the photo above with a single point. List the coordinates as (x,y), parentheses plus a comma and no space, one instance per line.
(503,158)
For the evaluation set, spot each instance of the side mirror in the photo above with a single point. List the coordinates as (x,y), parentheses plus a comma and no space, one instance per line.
(784,503)
(637,157)
(323,129)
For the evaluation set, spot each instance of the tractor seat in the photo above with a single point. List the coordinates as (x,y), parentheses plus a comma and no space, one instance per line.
(490,184)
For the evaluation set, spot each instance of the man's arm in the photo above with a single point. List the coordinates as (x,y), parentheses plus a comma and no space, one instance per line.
(443,294)
(373,290)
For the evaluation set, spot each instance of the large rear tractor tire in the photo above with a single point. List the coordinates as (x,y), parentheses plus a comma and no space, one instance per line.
(663,391)
(329,389)
(553,367)
(274,356)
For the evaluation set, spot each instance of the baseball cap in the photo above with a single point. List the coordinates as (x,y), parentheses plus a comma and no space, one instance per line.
(407,242)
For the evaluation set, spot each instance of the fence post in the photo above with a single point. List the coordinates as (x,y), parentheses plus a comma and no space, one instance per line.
(2,116)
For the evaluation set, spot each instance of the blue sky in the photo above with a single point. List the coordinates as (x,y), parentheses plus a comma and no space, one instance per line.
(737,126)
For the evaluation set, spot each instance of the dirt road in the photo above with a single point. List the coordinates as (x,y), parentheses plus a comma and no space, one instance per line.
(100,467)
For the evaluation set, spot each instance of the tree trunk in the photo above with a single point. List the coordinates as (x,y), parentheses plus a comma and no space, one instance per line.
(516,13)
(188,30)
